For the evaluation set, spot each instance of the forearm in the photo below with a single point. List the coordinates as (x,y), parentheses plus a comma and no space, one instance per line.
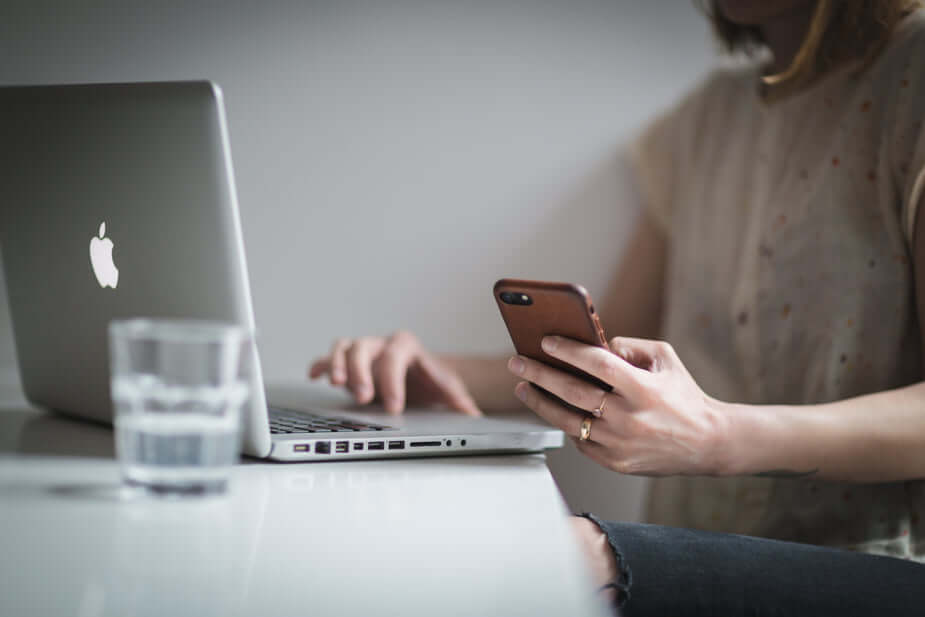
(488,380)
(873,438)
(632,304)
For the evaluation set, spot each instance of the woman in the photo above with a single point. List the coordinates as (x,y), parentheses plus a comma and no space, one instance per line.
(782,258)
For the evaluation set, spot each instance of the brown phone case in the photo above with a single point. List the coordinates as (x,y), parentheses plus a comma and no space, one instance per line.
(555,308)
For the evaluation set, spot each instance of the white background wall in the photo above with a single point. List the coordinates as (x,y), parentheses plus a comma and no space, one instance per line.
(394,158)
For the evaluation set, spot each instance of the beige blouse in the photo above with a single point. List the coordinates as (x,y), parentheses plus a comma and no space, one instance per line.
(789,277)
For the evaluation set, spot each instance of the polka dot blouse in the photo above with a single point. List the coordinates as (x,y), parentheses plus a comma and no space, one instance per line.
(789,277)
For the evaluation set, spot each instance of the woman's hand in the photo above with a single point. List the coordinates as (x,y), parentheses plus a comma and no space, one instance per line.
(395,369)
(656,421)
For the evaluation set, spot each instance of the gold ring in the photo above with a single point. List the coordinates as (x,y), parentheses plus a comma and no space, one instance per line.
(598,411)
(585,433)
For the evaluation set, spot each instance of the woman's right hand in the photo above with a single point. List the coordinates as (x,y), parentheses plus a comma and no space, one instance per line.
(396,370)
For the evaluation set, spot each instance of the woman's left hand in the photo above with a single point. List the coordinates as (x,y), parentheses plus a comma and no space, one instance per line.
(656,420)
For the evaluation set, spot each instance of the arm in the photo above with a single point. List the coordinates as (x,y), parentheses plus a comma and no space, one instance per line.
(874,438)
(657,420)
(632,305)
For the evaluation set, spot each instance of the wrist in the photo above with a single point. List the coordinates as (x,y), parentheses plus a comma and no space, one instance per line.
(744,435)
(722,417)
(769,440)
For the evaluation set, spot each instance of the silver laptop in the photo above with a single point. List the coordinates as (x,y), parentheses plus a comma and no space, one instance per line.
(147,168)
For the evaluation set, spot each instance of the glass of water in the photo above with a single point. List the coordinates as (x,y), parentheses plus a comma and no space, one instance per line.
(178,387)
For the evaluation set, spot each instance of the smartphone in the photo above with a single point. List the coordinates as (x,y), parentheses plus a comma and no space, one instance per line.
(534,309)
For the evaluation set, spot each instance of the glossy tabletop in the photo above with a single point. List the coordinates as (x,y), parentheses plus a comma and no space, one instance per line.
(438,536)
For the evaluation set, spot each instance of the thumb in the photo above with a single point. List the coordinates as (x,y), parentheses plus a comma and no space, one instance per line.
(647,354)
(450,385)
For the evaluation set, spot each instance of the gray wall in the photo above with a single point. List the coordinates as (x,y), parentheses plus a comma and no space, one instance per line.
(395,158)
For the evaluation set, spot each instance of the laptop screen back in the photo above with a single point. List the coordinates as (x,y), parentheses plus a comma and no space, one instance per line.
(117,201)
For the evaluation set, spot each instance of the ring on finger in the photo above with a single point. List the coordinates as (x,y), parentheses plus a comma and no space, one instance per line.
(598,411)
(584,433)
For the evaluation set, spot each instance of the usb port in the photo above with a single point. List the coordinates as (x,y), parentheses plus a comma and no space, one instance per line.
(342,446)
(358,445)
(323,447)
(377,445)
(397,444)
(301,447)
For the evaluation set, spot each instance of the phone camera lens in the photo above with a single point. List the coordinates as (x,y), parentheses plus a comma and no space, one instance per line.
(518,298)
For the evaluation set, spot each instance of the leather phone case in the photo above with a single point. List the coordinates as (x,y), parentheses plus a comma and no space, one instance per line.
(563,309)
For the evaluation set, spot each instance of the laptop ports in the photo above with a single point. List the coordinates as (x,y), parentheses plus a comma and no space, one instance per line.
(341,447)
(358,445)
(424,444)
(397,444)
(323,447)
(377,445)
(301,447)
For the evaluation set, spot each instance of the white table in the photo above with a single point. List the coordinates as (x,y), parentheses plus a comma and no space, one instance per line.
(442,536)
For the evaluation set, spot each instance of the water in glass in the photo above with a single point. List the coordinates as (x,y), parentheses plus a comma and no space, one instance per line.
(176,438)
(178,387)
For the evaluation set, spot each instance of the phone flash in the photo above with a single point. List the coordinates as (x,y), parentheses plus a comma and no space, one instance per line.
(524,297)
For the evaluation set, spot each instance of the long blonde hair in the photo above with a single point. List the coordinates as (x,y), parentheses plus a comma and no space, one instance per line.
(841,31)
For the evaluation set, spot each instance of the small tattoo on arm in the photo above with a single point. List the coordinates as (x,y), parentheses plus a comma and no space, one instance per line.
(786,473)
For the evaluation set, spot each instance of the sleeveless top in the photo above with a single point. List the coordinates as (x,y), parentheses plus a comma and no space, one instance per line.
(790,275)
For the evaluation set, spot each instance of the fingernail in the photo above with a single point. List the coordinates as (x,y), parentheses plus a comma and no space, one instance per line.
(363,391)
(516,365)
(521,391)
(391,405)
(337,375)
(550,343)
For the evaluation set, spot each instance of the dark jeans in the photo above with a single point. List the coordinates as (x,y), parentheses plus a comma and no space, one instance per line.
(667,571)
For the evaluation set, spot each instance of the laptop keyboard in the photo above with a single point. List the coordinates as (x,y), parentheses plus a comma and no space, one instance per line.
(289,421)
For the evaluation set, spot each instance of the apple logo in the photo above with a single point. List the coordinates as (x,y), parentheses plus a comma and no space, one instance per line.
(101,259)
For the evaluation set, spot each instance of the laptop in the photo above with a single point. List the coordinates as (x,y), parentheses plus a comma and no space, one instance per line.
(145,170)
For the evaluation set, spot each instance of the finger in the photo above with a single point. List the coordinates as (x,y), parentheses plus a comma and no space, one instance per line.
(549,410)
(459,398)
(569,388)
(319,367)
(359,368)
(647,354)
(391,372)
(598,362)
(453,388)
(338,373)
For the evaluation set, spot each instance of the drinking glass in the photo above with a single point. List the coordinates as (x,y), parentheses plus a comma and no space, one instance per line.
(178,387)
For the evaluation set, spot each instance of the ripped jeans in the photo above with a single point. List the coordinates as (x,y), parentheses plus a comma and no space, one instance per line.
(666,571)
